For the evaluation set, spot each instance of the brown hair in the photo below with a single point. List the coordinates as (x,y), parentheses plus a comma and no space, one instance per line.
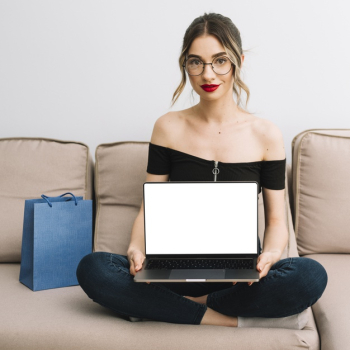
(229,36)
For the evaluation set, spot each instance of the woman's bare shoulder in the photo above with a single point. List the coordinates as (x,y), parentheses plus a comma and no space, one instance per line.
(271,138)
(262,127)
(165,128)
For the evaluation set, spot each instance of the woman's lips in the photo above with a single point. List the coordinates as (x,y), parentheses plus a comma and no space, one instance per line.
(209,88)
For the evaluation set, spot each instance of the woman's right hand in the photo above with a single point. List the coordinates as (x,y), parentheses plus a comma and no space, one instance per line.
(136,259)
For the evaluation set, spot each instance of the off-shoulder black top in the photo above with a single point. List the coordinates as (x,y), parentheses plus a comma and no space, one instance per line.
(185,167)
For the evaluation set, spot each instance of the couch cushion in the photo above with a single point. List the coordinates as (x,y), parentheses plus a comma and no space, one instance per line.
(65,318)
(290,190)
(321,191)
(30,167)
(120,171)
(332,310)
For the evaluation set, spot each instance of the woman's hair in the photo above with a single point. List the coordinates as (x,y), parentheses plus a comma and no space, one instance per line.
(229,36)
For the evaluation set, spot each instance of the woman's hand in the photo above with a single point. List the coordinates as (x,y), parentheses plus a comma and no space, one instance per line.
(136,259)
(263,265)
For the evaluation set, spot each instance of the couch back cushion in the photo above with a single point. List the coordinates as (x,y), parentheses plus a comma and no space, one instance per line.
(321,190)
(30,167)
(120,172)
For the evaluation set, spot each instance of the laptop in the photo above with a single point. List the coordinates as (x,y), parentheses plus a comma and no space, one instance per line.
(200,232)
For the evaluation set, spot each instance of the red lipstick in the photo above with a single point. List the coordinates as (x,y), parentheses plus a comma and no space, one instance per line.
(209,87)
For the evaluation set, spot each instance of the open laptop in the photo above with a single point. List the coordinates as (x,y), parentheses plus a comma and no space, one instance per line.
(200,232)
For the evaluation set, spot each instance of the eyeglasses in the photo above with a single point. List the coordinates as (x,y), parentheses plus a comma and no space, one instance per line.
(221,65)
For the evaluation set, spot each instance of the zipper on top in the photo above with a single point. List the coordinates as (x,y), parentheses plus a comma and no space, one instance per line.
(216,170)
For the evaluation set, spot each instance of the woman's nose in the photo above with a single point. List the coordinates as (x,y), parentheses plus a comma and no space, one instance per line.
(208,72)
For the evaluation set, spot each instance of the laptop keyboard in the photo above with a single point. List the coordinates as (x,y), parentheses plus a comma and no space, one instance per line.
(168,264)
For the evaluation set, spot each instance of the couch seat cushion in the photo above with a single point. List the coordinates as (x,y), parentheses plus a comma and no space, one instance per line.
(332,310)
(65,318)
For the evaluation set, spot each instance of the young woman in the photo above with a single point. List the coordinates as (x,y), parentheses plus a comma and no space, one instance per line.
(215,140)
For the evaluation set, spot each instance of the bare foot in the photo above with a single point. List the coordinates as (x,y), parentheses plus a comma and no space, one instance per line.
(200,300)
(212,317)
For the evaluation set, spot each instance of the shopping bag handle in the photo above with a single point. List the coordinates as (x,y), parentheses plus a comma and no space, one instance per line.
(50,204)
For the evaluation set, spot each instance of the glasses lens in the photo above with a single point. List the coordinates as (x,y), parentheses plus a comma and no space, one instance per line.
(221,65)
(194,66)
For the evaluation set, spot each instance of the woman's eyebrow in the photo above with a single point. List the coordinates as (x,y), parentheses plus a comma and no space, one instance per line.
(217,54)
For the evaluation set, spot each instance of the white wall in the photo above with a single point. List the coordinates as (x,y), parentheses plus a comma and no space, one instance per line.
(86,70)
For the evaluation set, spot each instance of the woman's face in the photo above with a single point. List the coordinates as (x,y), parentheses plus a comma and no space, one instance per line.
(206,47)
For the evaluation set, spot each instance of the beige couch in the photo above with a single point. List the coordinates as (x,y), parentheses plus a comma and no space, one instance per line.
(317,191)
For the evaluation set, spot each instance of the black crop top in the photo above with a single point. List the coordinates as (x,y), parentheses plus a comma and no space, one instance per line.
(185,167)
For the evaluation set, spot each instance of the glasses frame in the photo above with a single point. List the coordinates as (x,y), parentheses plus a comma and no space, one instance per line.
(203,64)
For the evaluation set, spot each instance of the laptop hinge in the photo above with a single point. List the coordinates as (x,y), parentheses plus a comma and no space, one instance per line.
(201,256)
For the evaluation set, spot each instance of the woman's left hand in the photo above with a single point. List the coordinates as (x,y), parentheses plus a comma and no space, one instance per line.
(264,263)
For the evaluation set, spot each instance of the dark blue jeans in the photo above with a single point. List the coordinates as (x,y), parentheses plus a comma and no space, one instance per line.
(291,286)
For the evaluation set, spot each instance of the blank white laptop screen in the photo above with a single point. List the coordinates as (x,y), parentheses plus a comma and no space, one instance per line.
(201,218)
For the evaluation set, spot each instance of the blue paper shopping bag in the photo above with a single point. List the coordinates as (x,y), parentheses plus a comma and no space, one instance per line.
(57,234)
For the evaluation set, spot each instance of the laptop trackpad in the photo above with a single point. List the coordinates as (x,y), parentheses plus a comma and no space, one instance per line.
(197,273)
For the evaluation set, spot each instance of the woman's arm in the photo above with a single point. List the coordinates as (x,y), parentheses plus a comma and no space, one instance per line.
(137,239)
(136,249)
(276,232)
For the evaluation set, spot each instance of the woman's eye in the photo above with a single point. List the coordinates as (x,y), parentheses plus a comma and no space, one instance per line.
(221,60)
(195,62)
